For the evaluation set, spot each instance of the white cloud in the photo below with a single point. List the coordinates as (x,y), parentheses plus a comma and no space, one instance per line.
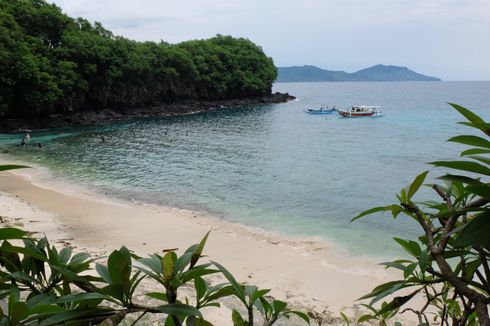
(347,34)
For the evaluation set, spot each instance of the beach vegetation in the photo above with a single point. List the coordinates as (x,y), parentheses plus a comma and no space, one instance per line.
(41,284)
(52,64)
(448,265)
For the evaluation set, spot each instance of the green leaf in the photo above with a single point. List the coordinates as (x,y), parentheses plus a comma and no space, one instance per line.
(69,275)
(364,318)
(237,318)
(472,117)
(83,296)
(482,190)
(79,258)
(12,167)
(301,315)
(115,291)
(475,151)
(169,322)
(236,287)
(65,255)
(471,140)
(396,303)
(279,306)
(371,211)
(416,184)
(13,297)
(344,317)
(395,210)
(25,251)
(398,264)
(403,196)
(384,290)
(258,294)
(471,268)
(179,309)
(21,276)
(157,295)
(104,273)
(423,260)
(476,232)
(168,263)
(19,311)
(11,233)
(200,286)
(153,262)
(410,246)
(185,259)
(60,319)
(197,254)
(44,310)
(464,166)
(460,178)
(480,158)
(483,126)
(409,270)
(40,299)
(196,272)
(222,292)
(119,266)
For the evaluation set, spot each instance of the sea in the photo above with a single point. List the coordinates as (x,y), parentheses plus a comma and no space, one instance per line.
(275,167)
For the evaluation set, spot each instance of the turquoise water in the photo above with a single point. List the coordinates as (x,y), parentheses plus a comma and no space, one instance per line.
(274,166)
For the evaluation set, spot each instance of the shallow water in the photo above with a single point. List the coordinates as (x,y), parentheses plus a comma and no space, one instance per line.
(274,166)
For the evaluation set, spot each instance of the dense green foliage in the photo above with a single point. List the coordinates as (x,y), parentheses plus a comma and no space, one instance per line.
(51,63)
(450,262)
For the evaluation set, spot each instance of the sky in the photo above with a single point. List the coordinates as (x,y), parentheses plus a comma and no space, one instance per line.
(448,39)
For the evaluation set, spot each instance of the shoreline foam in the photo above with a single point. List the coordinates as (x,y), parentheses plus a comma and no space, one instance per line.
(305,272)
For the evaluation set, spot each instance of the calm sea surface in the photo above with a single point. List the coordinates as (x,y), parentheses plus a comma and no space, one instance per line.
(274,166)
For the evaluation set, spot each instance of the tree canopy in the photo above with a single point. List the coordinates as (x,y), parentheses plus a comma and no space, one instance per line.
(52,63)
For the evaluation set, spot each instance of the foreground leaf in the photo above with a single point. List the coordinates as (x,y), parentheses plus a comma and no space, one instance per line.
(12,167)
(477,232)
(464,166)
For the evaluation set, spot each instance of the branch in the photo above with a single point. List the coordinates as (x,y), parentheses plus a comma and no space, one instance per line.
(437,253)
(426,224)
(441,193)
(115,319)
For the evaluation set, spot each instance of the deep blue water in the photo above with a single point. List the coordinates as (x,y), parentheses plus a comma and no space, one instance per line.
(274,166)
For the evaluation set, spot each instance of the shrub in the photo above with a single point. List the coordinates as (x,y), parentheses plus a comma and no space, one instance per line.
(449,264)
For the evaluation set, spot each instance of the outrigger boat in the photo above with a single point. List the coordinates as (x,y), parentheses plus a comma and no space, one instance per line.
(321,110)
(361,111)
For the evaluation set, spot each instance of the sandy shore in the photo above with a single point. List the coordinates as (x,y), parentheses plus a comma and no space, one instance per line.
(307,273)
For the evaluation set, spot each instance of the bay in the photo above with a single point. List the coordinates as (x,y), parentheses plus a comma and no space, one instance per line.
(274,166)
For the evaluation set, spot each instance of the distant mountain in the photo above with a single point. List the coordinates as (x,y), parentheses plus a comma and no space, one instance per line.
(374,73)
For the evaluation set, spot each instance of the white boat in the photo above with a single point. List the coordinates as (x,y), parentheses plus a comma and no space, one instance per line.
(358,111)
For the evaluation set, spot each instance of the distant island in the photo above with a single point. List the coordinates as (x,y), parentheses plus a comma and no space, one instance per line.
(374,73)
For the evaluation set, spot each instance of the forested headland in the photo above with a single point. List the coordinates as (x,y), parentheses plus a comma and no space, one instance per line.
(52,66)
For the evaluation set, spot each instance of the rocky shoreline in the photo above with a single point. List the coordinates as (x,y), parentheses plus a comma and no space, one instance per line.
(94,116)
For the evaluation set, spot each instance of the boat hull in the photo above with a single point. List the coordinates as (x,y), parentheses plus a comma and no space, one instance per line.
(355,115)
(319,112)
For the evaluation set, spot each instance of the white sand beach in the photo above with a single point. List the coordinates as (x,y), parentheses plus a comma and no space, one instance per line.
(308,273)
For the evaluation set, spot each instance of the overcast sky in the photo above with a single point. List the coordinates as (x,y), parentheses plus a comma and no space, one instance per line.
(444,38)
